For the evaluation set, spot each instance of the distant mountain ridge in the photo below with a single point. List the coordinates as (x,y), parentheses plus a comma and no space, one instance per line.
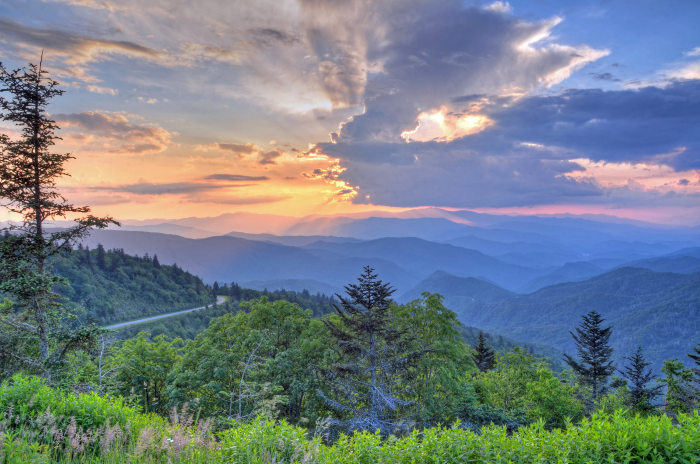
(659,311)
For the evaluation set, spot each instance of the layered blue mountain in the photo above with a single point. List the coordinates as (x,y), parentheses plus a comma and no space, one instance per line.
(657,310)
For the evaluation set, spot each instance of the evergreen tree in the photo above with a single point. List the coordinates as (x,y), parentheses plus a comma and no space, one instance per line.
(156,263)
(696,358)
(367,383)
(485,358)
(88,257)
(215,289)
(40,331)
(641,394)
(101,263)
(595,366)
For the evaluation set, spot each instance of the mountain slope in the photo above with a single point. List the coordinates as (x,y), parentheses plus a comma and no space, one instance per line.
(425,257)
(126,287)
(659,311)
(569,272)
(453,287)
(226,259)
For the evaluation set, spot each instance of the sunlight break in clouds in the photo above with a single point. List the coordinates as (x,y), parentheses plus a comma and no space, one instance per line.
(486,94)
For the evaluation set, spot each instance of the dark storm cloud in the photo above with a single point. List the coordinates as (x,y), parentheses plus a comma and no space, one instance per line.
(648,124)
(522,159)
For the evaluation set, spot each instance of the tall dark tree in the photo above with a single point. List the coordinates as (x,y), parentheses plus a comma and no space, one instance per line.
(101,262)
(484,356)
(595,366)
(39,331)
(642,394)
(367,382)
(215,289)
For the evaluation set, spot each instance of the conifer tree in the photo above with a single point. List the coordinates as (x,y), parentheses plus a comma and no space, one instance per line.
(101,262)
(156,263)
(484,357)
(595,366)
(641,394)
(38,332)
(215,289)
(367,383)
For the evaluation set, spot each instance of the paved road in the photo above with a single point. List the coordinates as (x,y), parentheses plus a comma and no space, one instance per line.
(219,300)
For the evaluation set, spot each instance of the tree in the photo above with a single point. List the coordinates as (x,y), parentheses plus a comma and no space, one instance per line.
(595,366)
(367,384)
(253,361)
(215,289)
(680,394)
(437,379)
(40,331)
(484,357)
(156,263)
(641,395)
(144,365)
(101,263)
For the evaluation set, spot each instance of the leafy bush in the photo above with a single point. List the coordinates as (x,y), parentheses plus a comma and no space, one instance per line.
(602,439)
(24,398)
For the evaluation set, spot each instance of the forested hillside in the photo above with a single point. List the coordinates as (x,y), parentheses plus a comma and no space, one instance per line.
(658,311)
(113,286)
(188,326)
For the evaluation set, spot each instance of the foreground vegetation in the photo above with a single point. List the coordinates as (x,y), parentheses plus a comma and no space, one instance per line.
(42,425)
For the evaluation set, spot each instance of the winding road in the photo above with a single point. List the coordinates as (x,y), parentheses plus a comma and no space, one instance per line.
(219,300)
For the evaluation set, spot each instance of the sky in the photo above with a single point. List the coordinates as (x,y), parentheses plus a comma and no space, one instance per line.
(177,108)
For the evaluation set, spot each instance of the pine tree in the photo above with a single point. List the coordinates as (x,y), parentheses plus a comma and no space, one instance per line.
(215,289)
(156,263)
(696,358)
(595,366)
(367,381)
(641,394)
(101,262)
(484,357)
(40,331)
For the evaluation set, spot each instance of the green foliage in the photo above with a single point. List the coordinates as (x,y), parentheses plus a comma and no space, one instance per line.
(253,358)
(127,287)
(142,366)
(680,394)
(483,356)
(642,393)
(594,366)
(438,376)
(188,326)
(522,382)
(27,403)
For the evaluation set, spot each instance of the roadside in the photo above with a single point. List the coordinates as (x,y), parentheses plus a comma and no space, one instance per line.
(219,300)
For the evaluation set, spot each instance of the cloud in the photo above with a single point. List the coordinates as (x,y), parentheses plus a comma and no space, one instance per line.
(235,177)
(432,53)
(174,188)
(231,200)
(269,157)
(251,150)
(606,76)
(120,135)
(525,156)
(74,50)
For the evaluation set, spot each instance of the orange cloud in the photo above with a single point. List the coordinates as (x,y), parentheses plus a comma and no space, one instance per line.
(115,132)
